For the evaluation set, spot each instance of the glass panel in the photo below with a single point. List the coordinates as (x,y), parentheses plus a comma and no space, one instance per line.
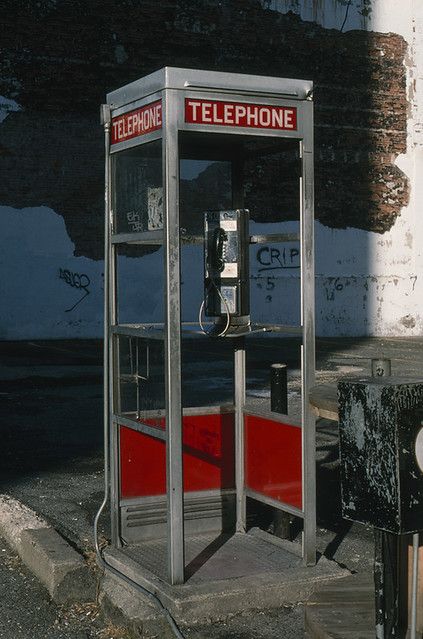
(209,430)
(207,365)
(271,181)
(273,460)
(139,378)
(138,195)
(208,434)
(139,397)
(272,194)
(140,391)
(262,352)
(218,173)
(273,449)
(140,283)
(204,185)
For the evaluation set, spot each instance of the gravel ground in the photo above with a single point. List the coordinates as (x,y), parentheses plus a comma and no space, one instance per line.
(284,623)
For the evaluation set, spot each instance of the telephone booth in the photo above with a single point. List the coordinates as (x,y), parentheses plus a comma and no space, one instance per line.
(209,196)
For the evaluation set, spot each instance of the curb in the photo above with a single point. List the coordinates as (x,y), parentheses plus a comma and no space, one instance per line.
(53,561)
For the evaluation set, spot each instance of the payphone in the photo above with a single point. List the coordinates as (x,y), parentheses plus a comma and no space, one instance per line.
(182,461)
(226,272)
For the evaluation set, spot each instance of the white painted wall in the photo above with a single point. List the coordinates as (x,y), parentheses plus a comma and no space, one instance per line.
(47,292)
(35,301)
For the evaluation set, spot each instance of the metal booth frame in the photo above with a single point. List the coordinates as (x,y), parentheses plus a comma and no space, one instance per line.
(171,87)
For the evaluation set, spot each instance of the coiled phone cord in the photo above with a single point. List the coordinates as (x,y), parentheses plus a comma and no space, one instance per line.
(228,313)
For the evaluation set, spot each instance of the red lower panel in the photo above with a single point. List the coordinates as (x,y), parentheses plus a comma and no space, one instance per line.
(208,457)
(273,460)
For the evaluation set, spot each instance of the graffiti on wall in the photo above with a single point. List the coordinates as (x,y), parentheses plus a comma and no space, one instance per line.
(79,281)
(271,258)
(270,261)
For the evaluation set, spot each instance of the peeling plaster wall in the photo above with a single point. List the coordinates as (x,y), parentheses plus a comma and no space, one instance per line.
(390,285)
(371,284)
(369,153)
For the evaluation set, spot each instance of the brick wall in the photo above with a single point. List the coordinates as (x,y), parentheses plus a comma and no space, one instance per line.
(58,60)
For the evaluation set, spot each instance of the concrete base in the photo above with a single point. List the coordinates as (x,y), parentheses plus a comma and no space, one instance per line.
(225,575)
(125,607)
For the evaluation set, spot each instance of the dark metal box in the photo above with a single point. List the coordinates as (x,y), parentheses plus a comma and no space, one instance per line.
(381,479)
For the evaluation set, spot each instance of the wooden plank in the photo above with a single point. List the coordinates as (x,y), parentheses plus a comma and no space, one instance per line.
(342,610)
(323,400)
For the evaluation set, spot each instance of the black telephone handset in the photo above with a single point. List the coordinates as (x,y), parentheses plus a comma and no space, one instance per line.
(217,261)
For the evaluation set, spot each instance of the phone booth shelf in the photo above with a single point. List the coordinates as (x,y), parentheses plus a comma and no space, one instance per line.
(180,474)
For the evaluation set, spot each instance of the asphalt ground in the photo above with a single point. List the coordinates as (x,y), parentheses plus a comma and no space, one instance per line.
(284,623)
(51,458)
(26,610)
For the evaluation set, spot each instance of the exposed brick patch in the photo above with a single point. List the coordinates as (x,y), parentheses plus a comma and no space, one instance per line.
(60,58)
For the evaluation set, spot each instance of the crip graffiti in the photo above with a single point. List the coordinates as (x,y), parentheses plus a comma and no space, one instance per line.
(271,258)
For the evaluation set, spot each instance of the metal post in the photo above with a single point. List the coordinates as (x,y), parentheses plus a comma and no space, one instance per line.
(390,563)
(109,444)
(308,346)
(279,389)
(239,373)
(110,317)
(239,399)
(390,575)
(279,404)
(174,470)
(414,586)
(380,368)
(115,399)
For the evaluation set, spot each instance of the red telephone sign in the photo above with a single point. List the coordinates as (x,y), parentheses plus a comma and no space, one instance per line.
(138,122)
(240,114)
